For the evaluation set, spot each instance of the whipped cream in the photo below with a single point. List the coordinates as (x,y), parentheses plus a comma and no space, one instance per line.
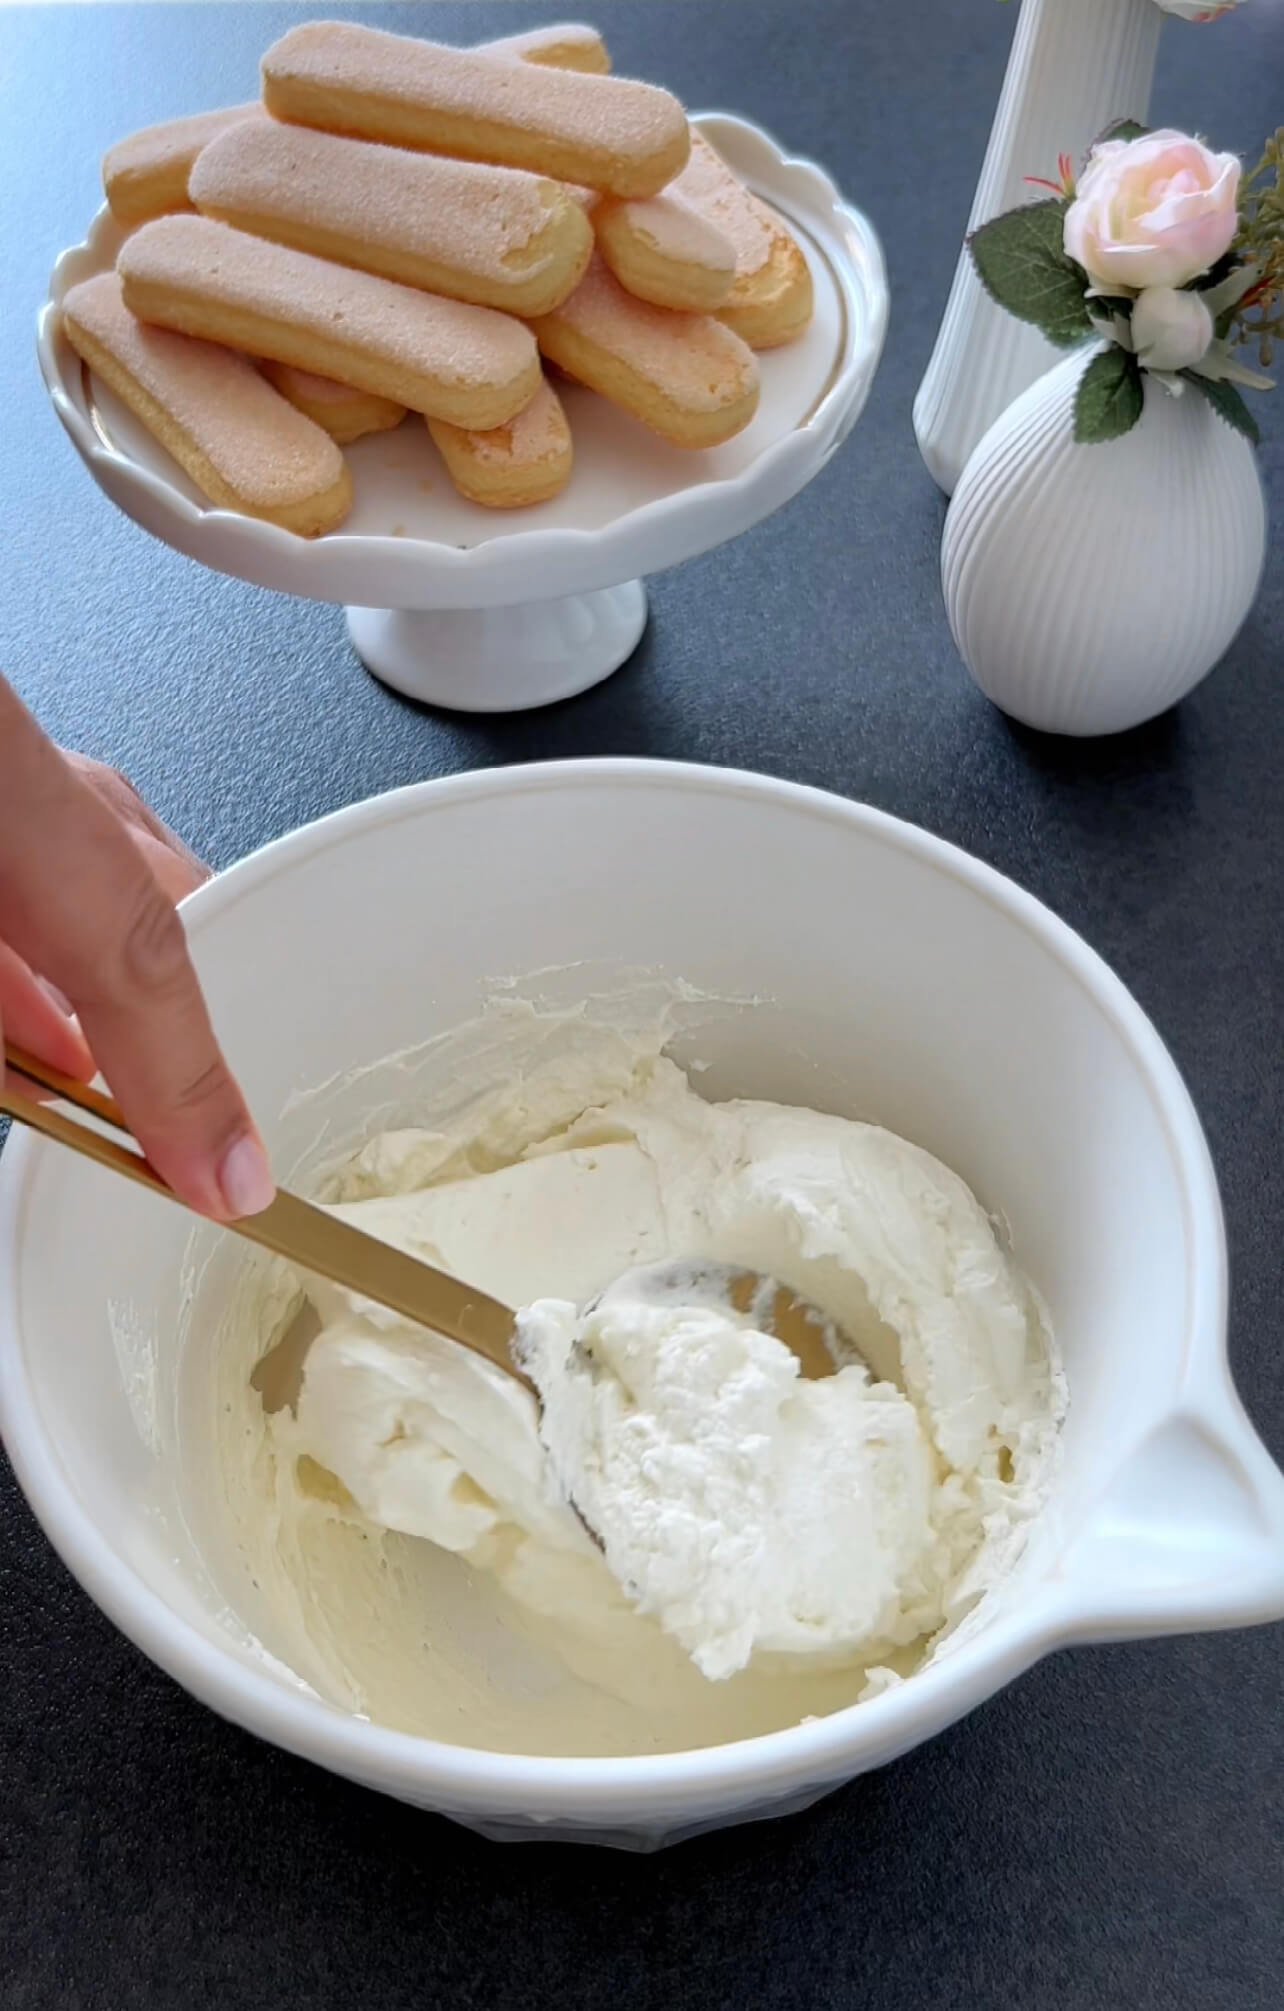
(750,1521)
(747,1509)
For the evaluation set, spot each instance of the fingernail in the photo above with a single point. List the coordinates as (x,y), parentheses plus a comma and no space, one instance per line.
(60,999)
(245,1179)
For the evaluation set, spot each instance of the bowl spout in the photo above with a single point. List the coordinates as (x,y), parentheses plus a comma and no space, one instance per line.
(1188,1535)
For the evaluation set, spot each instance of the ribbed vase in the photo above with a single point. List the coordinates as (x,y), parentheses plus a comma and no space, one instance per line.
(1089,588)
(1075,66)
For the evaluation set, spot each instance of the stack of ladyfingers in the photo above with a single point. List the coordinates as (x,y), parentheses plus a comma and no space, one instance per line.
(404,227)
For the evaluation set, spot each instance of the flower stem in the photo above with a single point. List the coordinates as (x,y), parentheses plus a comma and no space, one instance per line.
(1259,242)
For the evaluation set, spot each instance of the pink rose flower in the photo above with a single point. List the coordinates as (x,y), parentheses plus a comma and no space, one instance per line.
(1156,211)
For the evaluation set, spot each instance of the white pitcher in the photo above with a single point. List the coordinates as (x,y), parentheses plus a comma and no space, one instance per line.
(1076,66)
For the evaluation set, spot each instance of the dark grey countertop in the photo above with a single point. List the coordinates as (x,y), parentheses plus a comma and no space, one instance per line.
(1109,1832)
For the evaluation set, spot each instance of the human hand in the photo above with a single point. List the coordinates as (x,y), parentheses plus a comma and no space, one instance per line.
(88,881)
(170,861)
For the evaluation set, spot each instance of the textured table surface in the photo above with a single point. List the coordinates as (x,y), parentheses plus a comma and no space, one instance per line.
(1110,1831)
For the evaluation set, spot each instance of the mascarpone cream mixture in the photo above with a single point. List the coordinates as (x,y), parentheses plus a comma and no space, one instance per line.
(769,1547)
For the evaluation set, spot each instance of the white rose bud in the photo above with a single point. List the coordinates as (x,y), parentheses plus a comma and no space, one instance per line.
(1170,329)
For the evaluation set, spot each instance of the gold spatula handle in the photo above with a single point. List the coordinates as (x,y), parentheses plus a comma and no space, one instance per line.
(304,1235)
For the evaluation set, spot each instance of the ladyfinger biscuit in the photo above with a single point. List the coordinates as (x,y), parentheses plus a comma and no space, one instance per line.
(346,415)
(664,251)
(241,443)
(606,132)
(495,236)
(146,175)
(466,364)
(567,45)
(527,461)
(771,299)
(684,375)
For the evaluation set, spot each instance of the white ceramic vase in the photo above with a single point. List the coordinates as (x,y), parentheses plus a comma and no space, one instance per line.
(1075,66)
(1089,588)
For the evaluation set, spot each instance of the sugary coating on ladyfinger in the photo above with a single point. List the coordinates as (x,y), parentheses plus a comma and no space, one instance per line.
(498,237)
(510,467)
(685,375)
(606,132)
(466,364)
(243,444)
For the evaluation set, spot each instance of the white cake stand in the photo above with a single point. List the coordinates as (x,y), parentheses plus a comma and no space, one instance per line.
(485,611)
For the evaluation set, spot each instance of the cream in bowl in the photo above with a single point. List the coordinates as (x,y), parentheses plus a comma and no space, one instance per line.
(771,1547)
(824,959)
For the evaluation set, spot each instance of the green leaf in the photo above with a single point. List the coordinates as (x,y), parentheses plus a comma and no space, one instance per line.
(1227,402)
(1110,397)
(1022,264)
(1121,129)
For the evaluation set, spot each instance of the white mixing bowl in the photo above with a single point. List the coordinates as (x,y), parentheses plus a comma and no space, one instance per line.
(899,981)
